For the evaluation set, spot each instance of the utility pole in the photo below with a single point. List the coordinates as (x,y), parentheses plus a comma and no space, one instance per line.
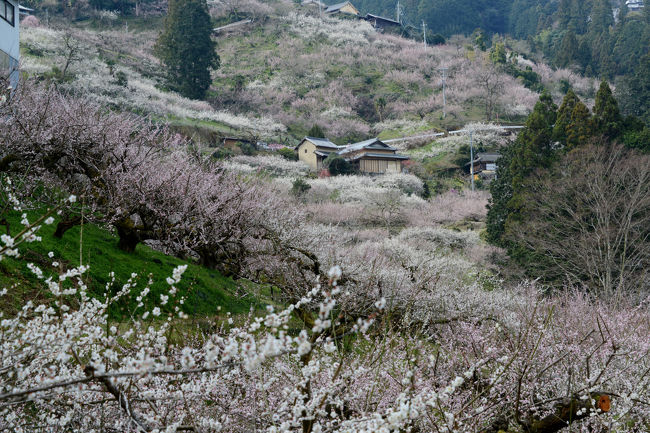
(470,130)
(471,156)
(398,13)
(320,9)
(444,96)
(424,33)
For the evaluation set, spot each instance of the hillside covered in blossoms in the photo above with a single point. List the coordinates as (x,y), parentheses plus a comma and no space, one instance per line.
(271,216)
(289,70)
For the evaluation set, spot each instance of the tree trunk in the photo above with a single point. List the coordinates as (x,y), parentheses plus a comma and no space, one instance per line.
(566,413)
(129,238)
(66,224)
(6,161)
(4,222)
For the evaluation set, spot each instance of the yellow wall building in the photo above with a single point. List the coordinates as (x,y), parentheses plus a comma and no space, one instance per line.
(368,157)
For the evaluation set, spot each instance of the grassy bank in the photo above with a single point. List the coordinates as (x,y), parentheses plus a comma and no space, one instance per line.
(205,290)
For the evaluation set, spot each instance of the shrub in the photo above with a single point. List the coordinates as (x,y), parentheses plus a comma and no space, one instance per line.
(299,188)
(288,154)
(121,79)
(247,149)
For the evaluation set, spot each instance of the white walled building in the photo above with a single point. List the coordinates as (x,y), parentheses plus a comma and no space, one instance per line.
(634,5)
(9,40)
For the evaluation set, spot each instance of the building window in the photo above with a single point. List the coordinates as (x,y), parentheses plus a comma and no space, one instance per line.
(7,12)
(305,150)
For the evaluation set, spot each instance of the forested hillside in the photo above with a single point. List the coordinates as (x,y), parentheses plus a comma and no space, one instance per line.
(600,38)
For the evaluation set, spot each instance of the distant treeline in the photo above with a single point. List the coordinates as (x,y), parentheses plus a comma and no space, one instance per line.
(599,38)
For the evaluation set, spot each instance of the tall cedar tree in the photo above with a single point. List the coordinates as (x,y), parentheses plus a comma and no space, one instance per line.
(564,116)
(581,127)
(532,150)
(568,53)
(501,193)
(186,48)
(534,146)
(607,117)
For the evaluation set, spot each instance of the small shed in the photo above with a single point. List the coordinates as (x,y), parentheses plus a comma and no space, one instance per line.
(485,163)
(233,142)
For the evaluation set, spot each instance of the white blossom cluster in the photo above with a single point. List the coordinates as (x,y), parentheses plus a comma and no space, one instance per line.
(66,365)
(338,31)
(270,164)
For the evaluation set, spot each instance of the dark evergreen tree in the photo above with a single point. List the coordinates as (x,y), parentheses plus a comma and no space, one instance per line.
(564,116)
(186,48)
(601,17)
(532,150)
(607,117)
(316,132)
(564,14)
(568,52)
(579,16)
(580,129)
(639,85)
(632,41)
(500,196)
(534,146)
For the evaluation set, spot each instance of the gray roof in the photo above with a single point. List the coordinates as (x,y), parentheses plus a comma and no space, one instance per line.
(381,156)
(489,157)
(364,144)
(323,153)
(320,142)
(379,18)
(485,157)
(337,6)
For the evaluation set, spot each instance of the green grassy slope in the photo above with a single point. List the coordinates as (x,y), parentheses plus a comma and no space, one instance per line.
(205,290)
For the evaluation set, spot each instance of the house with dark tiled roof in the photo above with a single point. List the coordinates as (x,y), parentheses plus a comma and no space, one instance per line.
(382,22)
(369,157)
